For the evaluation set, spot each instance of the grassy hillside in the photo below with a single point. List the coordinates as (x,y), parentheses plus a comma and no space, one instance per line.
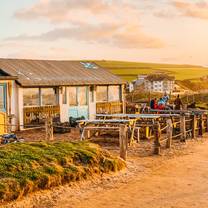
(28,167)
(130,70)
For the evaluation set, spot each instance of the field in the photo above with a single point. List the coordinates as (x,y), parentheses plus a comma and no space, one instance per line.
(130,70)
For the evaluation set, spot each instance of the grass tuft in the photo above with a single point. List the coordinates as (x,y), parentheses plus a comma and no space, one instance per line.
(28,167)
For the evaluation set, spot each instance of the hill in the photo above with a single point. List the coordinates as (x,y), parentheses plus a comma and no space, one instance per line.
(129,70)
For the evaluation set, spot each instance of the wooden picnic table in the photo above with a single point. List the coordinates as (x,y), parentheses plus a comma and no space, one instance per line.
(188,111)
(106,124)
(129,116)
(138,116)
(135,127)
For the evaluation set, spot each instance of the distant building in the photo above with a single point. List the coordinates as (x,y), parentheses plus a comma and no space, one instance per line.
(130,86)
(159,83)
(140,79)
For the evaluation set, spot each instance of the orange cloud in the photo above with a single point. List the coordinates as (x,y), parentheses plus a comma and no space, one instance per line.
(97,21)
(111,34)
(197,10)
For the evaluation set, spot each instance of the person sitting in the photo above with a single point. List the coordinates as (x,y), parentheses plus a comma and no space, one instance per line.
(161,104)
(153,103)
(165,98)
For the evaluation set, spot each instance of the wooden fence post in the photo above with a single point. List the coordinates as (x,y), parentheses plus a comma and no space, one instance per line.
(206,129)
(194,126)
(49,128)
(123,141)
(157,132)
(169,132)
(201,125)
(183,127)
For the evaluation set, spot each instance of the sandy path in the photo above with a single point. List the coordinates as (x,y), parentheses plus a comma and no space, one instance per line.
(181,181)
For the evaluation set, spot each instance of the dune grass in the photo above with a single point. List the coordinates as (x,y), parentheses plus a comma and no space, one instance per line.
(28,167)
(130,70)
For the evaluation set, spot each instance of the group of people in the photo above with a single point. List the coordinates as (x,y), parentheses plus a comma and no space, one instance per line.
(163,104)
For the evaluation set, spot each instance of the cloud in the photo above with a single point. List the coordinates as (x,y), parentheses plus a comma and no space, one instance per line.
(111,34)
(57,11)
(164,14)
(197,10)
(112,22)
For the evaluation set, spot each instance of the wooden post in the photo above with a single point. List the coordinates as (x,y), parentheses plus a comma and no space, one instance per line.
(183,127)
(132,133)
(88,134)
(49,128)
(206,122)
(169,133)
(123,141)
(157,132)
(194,126)
(138,134)
(201,125)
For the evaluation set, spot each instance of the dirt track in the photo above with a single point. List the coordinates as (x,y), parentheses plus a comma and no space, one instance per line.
(151,182)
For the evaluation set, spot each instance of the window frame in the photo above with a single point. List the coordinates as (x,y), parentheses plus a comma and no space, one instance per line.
(108,100)
(40,100)
(56,93)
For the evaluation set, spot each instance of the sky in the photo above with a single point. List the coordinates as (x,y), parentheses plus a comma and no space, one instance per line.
(162,31)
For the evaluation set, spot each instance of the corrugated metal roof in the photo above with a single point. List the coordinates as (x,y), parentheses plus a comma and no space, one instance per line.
(57,73)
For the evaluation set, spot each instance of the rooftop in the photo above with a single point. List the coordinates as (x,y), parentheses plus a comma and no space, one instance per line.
(56,73)
(159,77)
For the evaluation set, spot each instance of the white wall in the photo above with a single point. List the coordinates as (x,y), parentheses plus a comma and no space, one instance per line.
(64,108)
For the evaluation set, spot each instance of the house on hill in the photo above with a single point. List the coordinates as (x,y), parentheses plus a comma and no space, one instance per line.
(30,90)
(159,83)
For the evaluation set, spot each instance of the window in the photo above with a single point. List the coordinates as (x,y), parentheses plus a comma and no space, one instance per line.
(102,93)
(64,95)
(49,96)
(82,96)
(73,96)
(31,97)
(2,97)
(113,93)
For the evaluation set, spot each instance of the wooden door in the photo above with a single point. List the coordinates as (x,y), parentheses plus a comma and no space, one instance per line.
(79,106)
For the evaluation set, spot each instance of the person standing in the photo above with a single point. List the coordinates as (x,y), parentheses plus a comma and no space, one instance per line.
(178,103)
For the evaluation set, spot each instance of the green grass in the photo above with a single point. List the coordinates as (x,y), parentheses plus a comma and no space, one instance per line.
(130,70)
(28,167)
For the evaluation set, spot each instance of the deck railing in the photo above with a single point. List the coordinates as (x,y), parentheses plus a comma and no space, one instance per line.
(37,115)
(109,107)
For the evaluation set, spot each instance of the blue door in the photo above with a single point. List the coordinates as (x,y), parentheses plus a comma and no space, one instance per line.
(78,101)
(3,98)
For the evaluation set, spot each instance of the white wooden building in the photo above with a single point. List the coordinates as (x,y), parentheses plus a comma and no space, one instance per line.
(32,89)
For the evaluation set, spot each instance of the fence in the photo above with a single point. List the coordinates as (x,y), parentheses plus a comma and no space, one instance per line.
(187,125)
(164,129)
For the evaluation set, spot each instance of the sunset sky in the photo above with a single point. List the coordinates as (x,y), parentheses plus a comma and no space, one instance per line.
(169,31)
